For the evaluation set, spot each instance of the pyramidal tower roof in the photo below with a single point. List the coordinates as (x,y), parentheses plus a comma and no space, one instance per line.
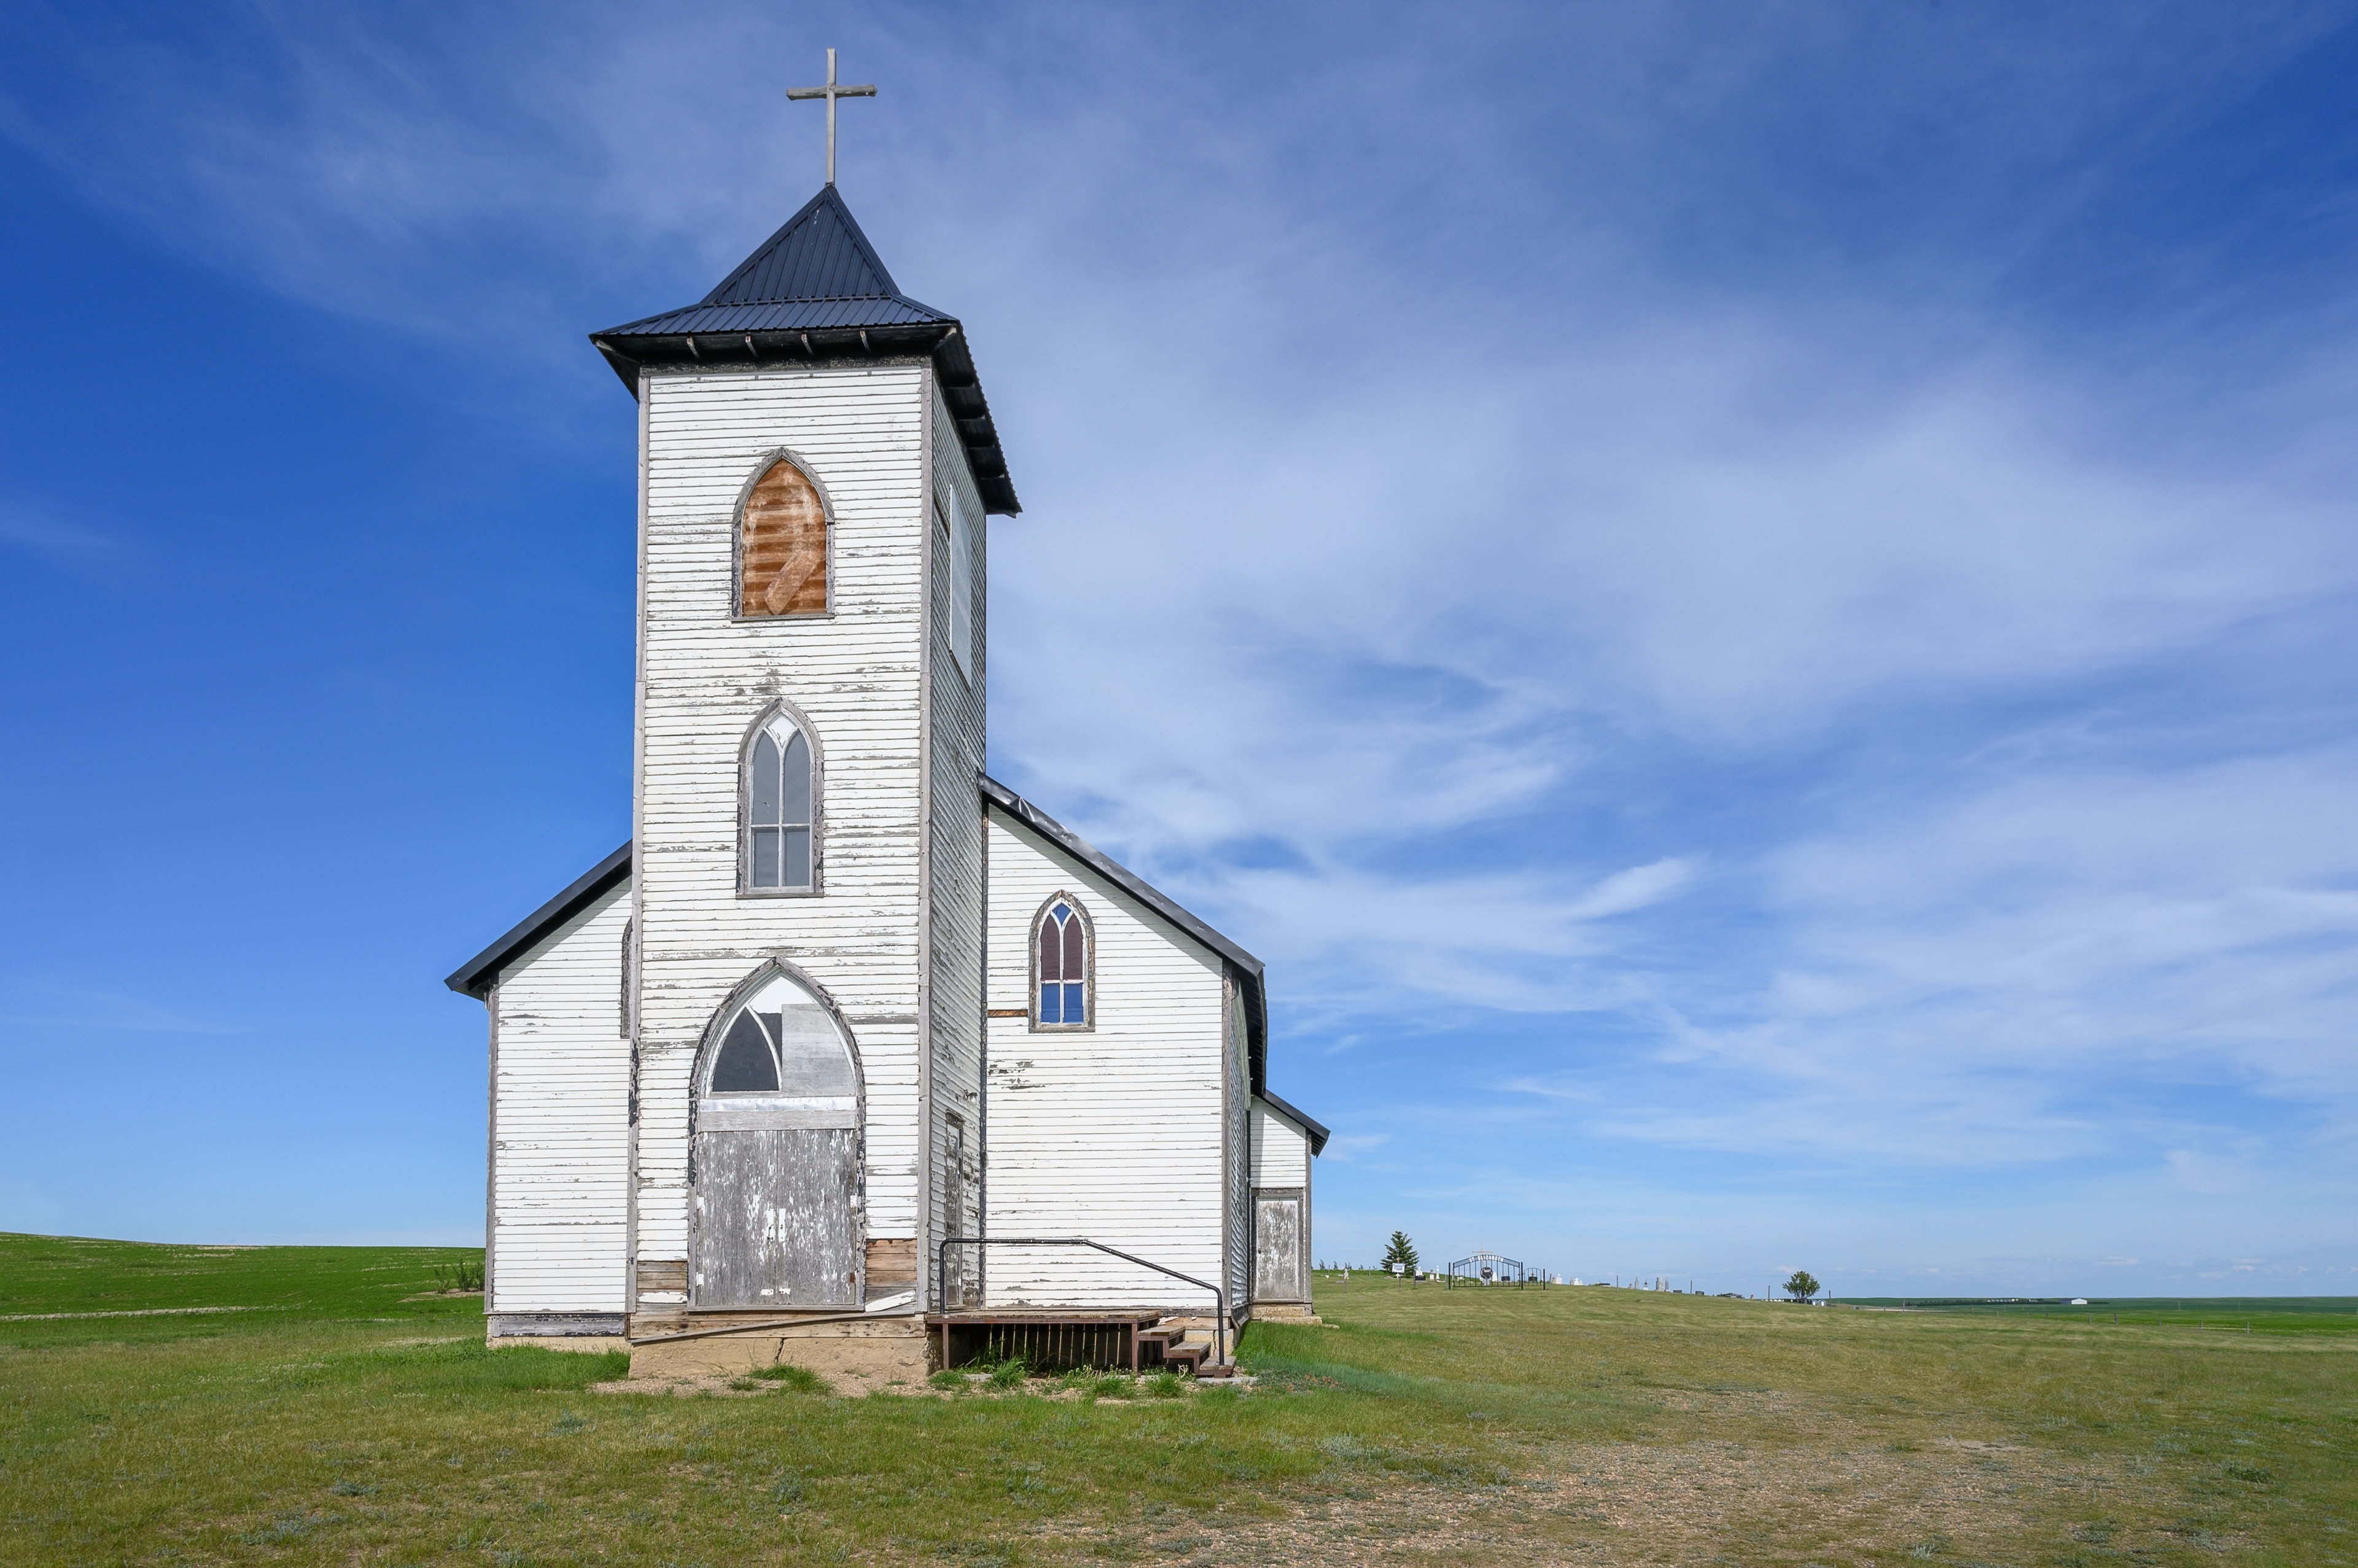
(817,291)
(820,253)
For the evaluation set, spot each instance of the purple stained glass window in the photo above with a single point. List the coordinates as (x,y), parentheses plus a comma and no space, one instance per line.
(1062,977)
(1052,944)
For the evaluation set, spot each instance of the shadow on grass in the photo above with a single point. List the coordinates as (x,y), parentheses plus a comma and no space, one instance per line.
(1287,1356)
(467,1365)
(1314,1361)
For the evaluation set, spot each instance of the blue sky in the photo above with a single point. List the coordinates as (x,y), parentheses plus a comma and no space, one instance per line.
(1753,608)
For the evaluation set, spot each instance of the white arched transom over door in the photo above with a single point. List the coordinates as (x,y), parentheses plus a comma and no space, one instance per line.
(778,1198)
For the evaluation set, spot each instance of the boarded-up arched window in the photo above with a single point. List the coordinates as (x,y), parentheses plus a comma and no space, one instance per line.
(782,545)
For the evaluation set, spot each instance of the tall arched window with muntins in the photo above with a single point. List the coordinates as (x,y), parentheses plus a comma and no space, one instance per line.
(782,544)
(1063,966)
(779,853)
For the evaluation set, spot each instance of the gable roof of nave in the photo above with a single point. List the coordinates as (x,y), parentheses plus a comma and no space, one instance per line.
(1239,963)
(478,975)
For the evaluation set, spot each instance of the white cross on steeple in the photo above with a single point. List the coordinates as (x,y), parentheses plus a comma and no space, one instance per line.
(831,92)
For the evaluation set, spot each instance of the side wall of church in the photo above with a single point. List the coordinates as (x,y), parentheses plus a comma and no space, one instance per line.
(955,750)
(1114,1133)
(856,674)
(559,1232)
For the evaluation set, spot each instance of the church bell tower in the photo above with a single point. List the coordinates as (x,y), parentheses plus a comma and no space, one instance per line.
(816,465)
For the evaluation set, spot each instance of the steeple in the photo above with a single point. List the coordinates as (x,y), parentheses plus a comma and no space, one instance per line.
(820,255)
(817,291)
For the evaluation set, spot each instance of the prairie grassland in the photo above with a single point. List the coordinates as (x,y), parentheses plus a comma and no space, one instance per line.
(2227,1314)
(361,1421)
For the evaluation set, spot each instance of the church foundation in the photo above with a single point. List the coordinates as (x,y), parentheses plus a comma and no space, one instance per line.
(874,1350)
(588,1344)
(1283,1312)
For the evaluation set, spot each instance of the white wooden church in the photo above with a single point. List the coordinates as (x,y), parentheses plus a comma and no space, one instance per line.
(818,1064)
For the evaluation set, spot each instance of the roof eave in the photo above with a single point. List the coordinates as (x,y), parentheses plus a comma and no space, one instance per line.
(479,974)
(627,352)
(1310,1124)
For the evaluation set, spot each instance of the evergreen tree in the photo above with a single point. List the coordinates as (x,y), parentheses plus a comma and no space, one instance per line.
(1402,1251)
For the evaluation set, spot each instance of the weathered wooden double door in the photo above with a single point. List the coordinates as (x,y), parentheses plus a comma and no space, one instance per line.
(778,1220)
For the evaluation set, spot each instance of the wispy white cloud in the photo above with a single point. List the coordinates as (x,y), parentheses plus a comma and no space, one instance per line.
(85,551)
(1629,554)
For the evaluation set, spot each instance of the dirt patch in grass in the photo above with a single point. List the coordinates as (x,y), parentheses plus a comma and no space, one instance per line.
(737,1385)
(1640,1504)
(712,1385)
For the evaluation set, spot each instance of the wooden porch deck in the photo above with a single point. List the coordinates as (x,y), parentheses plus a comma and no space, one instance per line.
(1141,1338)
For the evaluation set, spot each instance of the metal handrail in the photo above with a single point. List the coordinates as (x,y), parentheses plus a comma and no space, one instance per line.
(942,1258)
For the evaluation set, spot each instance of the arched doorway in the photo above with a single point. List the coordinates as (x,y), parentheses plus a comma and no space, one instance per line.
(778,1189)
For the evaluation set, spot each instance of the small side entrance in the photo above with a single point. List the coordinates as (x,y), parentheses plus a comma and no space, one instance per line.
(1278,1272)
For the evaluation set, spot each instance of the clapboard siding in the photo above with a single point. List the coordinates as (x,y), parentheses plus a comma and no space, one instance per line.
(1280,1151)
(1115,1133)
(560,1121)
(857,674)
(954,827)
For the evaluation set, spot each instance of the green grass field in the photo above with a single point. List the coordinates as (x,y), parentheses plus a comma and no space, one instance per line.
(353,1416)
(2231,1315)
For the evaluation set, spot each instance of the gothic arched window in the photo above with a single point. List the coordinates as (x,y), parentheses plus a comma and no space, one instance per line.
(1062,967)
(779,852)
(784,1041)
(782,544)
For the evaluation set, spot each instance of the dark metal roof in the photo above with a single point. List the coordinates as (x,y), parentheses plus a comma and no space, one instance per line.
(780,315)
(1241,964)
(818,254)
(479,974)
(816,290)
(1318,1130)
